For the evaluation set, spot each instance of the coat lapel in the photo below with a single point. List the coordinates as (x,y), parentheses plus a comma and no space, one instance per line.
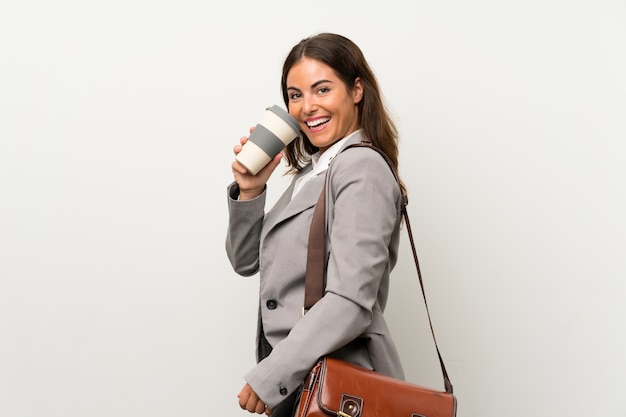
(286,207)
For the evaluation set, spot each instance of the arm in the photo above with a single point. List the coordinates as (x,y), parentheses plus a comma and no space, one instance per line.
(246,205)
(244,231)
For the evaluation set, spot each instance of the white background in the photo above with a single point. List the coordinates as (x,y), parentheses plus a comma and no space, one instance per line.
(117,122)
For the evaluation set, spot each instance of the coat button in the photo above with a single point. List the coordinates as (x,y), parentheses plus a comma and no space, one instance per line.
(271,304)
(283,391)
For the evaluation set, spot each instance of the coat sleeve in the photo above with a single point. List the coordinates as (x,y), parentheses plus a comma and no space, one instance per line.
(365,212)
(243,235)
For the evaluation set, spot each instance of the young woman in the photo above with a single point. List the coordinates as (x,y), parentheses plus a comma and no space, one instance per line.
(329,88)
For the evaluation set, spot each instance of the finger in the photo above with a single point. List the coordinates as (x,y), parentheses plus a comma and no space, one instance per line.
(237,167)
(260,407)
(268,411)
(278,158)
(243,399)
(251,406)
(271,165)
(253,400)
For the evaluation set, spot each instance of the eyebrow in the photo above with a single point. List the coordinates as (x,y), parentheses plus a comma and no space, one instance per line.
(320,82)
(315,84)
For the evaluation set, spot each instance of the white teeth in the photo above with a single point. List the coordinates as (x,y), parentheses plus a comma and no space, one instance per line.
(317,122)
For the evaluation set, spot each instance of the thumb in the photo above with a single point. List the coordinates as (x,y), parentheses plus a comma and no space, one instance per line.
(271,166)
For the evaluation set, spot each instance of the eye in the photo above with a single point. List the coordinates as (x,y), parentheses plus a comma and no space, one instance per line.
(323,90)
(294,96)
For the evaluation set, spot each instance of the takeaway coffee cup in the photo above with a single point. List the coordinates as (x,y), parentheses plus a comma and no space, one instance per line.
(276,130)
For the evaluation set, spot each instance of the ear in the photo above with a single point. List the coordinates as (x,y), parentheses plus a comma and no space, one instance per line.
(357,90)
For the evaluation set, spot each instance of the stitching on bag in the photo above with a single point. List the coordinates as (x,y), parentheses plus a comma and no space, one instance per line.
(454,405)
(320,404)
(313,377)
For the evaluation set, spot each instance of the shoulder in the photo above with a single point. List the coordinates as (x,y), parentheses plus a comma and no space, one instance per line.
(364,173)
(361,161)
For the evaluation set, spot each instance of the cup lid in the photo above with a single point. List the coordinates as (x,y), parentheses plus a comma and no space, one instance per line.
(289,119)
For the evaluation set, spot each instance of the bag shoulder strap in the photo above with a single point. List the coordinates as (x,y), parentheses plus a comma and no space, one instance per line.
(316,253)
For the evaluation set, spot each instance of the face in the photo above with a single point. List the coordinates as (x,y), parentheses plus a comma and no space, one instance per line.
(320,101)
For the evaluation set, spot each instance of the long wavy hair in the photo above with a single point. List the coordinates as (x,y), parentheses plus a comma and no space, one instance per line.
(347,61)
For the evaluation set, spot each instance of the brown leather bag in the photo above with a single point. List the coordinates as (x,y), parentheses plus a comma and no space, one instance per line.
(340,389)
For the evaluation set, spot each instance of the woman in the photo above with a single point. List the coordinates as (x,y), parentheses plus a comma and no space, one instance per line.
(329,88)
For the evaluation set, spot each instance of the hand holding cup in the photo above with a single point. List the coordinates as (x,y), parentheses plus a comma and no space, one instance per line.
(271,135)
(261,152)
(251,186)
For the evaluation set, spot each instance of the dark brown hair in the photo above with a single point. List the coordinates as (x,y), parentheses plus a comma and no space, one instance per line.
(348,63)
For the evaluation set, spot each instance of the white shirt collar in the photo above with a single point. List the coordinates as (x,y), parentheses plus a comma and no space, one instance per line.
(320,162)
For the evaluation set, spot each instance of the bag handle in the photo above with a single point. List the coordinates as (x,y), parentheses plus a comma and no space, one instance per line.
(316,253)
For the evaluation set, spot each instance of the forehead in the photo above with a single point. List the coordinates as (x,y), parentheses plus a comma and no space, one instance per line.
(308,71)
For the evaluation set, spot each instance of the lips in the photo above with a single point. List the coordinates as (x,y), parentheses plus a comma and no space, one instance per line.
(318,123)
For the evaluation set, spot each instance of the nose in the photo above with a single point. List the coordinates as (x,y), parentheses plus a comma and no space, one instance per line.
(309,104)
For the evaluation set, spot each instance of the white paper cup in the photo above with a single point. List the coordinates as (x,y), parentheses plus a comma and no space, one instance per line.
(276,130)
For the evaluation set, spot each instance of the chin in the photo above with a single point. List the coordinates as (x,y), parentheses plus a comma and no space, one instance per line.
(322,142)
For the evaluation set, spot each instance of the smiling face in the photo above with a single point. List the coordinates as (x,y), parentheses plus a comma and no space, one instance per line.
(323,105)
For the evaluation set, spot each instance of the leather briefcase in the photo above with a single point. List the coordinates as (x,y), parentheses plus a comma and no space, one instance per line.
(337,388)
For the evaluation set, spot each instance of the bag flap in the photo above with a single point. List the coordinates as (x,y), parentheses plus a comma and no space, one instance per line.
(347,390)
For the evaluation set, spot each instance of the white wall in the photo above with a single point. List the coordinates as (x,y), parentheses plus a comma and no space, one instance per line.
(117,121)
